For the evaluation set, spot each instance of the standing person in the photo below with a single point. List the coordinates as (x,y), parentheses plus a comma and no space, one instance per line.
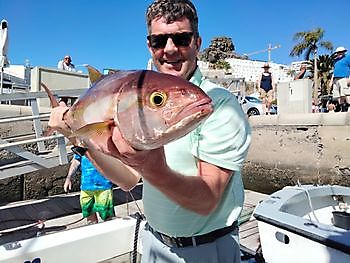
(66,64)
(266,88)
(304,73)
(341,78)
(192,192)
(96,195)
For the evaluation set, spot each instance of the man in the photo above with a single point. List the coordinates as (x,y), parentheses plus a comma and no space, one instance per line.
(304,73)
(266,87)
(341,78)
(192,192)
(66,64)
(96,193)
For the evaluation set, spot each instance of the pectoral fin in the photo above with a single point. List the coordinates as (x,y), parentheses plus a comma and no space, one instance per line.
(99,129)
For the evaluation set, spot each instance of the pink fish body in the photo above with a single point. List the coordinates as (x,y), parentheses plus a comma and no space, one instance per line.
(150,108)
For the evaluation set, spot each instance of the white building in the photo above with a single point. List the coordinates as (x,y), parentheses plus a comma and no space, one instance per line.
(251,70)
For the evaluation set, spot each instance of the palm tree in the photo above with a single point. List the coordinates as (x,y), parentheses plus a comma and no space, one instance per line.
(325,65)
(222,64)
(309,42)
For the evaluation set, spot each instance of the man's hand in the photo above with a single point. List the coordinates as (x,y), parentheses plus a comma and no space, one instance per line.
(149,163)
(56,120)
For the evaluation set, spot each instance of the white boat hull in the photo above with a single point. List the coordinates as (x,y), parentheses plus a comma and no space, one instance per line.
(298,249)
(92,243)
(296,225)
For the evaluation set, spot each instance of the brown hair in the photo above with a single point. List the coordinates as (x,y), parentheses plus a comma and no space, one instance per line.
(172,10)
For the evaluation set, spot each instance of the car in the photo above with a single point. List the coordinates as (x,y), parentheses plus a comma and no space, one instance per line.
(273,109)
(253,106)
(250,105)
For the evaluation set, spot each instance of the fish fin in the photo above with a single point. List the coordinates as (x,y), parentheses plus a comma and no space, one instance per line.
(93,129)
(53,101)
(94,74)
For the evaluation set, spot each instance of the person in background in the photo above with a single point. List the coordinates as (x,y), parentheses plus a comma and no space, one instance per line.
(304,73)
(192,187)
(330,106)
(96,195)
(66,64)
(266,87)
(340,80)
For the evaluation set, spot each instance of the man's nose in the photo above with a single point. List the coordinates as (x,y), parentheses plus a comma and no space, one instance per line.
(170,47)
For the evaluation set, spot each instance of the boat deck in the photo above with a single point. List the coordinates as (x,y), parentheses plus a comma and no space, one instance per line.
(26,219)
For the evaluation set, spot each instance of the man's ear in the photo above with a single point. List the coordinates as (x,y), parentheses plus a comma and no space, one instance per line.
(198,43)
(150,48)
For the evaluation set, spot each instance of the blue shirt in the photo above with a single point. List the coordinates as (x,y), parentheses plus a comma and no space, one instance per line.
(91,179)
(223,140)
(342,67)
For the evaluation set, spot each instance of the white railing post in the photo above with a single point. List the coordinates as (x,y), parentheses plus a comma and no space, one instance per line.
(37,125)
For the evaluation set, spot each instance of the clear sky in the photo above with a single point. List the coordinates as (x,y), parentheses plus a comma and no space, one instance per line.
(112,33)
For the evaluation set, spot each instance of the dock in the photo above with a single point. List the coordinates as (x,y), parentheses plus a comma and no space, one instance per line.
(27,219)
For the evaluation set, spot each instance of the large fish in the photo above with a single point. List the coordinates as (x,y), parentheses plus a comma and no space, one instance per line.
(150,108)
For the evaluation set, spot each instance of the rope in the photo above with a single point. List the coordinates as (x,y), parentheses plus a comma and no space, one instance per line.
(37,223)
(8,232)
(139,218)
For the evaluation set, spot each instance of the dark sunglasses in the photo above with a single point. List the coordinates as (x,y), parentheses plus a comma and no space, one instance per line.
(179,39)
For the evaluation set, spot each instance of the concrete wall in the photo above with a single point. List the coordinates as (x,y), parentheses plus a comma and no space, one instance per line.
(311,148)
(294,96)
(56,79)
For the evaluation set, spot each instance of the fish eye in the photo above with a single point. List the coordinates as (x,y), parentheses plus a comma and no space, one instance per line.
(158,98)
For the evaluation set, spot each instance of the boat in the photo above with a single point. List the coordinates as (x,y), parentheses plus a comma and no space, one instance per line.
(69,239)
(90,243)
(305,223)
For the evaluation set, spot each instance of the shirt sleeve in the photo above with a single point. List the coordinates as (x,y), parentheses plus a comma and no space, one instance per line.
(224,138)
(77,157)
(60,64)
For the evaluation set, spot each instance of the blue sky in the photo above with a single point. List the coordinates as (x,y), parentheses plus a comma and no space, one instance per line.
(112,34)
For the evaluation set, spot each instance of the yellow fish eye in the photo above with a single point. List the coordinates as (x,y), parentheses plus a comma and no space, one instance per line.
(158,98)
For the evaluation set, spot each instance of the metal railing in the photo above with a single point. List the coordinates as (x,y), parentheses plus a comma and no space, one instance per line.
(50,151)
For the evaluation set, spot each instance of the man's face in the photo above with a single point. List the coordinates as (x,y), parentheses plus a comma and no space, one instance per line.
(67,60)
(174,58)
(340,54)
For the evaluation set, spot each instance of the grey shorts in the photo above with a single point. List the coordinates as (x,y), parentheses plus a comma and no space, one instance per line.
(223,249)
(341,88)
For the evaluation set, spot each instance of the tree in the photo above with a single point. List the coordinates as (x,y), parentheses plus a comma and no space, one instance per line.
(222,64)
(325,65)
(309,42)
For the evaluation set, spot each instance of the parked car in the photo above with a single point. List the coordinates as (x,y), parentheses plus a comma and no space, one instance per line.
(253,106)
(250,105)
(273,109)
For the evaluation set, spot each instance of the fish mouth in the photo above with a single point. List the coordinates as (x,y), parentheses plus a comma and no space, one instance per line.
(197,110)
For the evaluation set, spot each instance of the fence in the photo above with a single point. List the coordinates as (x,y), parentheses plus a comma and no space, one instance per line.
(49,152)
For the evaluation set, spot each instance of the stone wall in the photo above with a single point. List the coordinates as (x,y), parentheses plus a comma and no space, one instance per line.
(285,149)
(291,148)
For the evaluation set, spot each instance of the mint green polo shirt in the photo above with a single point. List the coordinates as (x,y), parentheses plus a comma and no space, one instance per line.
(223,140)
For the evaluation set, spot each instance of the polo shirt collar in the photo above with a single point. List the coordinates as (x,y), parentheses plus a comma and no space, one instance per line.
(197,77)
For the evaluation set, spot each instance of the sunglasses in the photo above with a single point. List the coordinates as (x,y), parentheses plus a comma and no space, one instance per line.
(179,39)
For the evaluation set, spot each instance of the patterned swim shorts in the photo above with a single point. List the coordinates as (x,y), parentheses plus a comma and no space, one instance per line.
(100,201)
